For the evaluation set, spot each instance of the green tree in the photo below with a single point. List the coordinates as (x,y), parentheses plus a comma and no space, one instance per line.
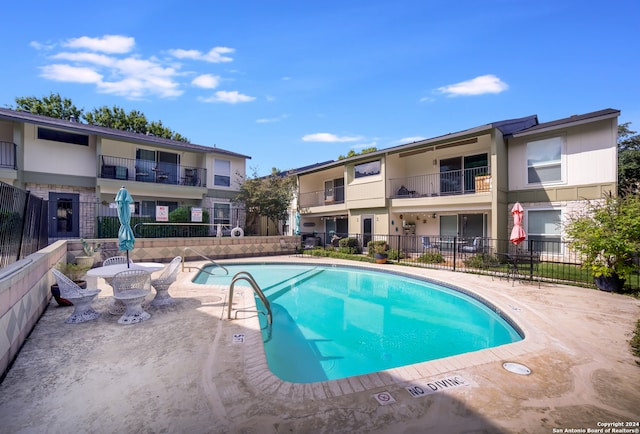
(606,234)
(628,160)
(353,153)
(268,196)
(135,121)
(53,106)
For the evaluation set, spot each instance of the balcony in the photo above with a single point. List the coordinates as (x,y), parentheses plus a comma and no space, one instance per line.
(152,171)
(455,182)
(322,197)
(8,155)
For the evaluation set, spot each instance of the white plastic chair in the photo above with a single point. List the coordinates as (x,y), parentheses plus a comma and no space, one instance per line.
(81,298)
(131,287)
(162,283)
(116,260)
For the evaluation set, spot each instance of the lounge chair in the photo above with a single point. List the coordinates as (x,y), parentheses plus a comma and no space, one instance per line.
(81,298)
(162,283)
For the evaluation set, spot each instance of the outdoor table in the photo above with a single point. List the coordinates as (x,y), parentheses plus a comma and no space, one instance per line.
(107,273)
(111,270)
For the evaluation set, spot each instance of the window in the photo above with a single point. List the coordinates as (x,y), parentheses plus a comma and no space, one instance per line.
(222,173)
(544,230)
(147,209)
(222,213)
(334,190)
(63,136)
(544,162)
(367,169)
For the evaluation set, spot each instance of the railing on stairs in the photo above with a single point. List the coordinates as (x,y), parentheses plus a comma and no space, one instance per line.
(202,255)
(246,276)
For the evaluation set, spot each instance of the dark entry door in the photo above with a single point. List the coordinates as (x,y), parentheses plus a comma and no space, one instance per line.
(367,231)
(64,215)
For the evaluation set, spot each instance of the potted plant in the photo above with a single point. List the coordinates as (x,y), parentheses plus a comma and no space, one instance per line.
(379,250)
(606,235)
(74,272)
(89,251)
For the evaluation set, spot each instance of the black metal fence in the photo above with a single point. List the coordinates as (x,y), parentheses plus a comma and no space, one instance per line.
(23,224)
(532,260)
(74,220)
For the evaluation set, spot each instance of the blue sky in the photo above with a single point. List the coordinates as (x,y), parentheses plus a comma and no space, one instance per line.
(292,83)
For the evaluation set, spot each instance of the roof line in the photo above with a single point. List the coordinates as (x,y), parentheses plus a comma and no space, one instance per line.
(11,114)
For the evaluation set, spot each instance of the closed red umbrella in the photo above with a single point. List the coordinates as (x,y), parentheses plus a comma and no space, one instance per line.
(518,234)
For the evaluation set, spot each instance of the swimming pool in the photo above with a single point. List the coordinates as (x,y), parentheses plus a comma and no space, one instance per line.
(332,322)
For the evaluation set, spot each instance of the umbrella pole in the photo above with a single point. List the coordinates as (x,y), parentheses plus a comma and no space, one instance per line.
(128,259)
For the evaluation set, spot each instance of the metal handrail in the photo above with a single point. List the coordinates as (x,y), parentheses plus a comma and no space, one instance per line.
(244,275)
(202,255)
(222,226)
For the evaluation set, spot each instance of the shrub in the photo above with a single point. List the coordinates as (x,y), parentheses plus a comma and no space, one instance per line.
(431,258)
(606,235)
(481,260)
(635,341)
(73,271)
(183,215)
(394,254)
(349,246)
(377,247)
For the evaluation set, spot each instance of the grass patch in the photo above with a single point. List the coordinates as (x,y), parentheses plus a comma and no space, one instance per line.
(635,342)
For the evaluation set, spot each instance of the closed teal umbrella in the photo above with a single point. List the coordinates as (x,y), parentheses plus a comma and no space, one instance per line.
(126,240)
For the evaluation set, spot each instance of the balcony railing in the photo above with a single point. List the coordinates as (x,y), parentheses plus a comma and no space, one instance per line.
(8,155)
(466,181)
(152,171)
(322,197)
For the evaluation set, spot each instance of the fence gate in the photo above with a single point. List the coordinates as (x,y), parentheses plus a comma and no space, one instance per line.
(64,215)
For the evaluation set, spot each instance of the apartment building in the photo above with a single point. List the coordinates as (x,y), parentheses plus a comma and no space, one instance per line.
(464,184)
(79,168)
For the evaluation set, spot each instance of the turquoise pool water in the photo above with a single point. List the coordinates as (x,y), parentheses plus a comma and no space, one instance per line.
(336,322)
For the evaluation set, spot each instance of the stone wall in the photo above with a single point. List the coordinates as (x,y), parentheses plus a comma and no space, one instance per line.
(165,249)
(25,291)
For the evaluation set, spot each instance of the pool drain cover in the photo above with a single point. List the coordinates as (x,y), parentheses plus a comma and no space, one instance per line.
(516,368)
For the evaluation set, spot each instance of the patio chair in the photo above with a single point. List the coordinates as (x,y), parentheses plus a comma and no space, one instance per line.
(81,298)
(113,260)
(116,260)
(131,287)
(474,247)
(426,243)
(162,283)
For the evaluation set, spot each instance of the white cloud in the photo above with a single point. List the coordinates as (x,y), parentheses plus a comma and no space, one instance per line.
(206,81)
(96,59)
(215,55)
(68,73)
(40,46)
(427,99)
(329,138)
(271,120)
(114,44)
(108,63)
(232,97)
(410,139)
(476,86)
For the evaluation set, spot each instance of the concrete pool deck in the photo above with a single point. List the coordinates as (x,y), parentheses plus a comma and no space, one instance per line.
(190,370)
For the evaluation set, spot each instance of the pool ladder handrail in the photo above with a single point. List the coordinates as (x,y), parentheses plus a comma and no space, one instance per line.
(202,255)
(245,275)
